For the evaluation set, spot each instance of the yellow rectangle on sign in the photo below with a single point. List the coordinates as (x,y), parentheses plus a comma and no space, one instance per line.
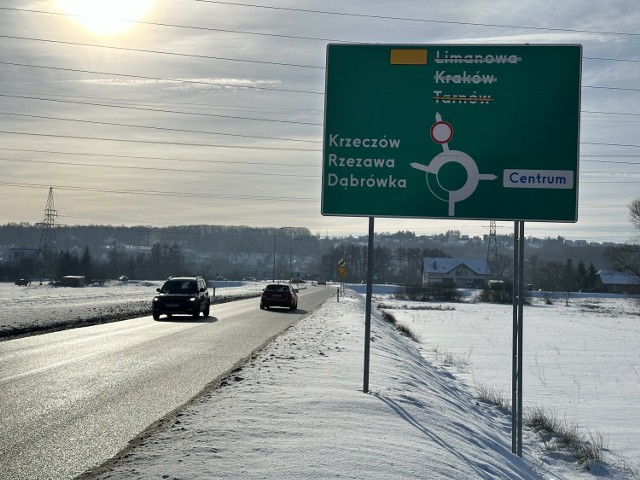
(408,56)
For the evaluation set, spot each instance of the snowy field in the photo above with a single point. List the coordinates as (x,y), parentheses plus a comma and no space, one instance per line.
(296,409)
(581,361)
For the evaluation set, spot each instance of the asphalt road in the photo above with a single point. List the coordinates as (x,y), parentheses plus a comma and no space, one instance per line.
(71,400)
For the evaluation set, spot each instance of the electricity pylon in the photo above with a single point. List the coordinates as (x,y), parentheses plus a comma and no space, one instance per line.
(47,227)
(492,250)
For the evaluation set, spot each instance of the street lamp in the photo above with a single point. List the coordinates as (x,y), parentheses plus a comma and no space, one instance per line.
(275,243)
(291,255)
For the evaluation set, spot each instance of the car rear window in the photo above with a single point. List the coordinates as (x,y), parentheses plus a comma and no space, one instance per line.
(278,288)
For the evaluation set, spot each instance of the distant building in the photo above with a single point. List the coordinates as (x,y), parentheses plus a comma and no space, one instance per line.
(615,281)
(458,272)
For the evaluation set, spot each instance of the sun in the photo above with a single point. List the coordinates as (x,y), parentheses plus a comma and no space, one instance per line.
(105,17)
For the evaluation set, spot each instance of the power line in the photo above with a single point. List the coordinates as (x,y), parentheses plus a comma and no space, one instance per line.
(154,193)
(227,59)
(609,113)
(164,159)
(343,14)
(160,169)
(611,144)
(235,117)
(611,59)
(222,106)
(157,142)
(610,161)
(178,130)
(205,195)
(218,172)
(169,159)
(189,27)
(159,110)
(34,96)
(418,20)
(163,52)
(225,85)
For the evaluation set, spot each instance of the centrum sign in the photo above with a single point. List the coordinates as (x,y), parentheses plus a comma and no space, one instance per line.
(452,131)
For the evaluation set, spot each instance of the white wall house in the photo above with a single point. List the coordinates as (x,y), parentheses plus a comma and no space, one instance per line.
(458,272)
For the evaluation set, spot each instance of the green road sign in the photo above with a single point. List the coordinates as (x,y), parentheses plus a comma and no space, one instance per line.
(452,131)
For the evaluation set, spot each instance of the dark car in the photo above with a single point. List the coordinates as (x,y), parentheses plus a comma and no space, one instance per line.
(279,295)
(182,295)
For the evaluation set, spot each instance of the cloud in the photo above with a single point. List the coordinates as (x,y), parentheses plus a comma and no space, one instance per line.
(251,97)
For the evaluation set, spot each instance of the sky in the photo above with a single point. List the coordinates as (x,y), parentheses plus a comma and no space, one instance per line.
(205,112)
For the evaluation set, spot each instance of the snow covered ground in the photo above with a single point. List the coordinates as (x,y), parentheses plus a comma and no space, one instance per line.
(581,360)
(41,308)
(297,410)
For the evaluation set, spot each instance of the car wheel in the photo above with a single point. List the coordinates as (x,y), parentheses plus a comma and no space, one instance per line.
(261,307)
(293,307)
(196,314)
(156,316)
(206,311)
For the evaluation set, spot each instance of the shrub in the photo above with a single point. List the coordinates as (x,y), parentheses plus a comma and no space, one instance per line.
(586,449)
(445,293)
(495,397)
(501,293)
(548,297)
(403,329)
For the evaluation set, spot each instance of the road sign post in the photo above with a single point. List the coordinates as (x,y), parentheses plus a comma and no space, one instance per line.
(453,131)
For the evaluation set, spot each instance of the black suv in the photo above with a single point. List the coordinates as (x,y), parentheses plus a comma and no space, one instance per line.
(182,295)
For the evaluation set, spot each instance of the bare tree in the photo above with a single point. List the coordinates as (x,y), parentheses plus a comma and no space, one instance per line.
(627,256)
(634,211)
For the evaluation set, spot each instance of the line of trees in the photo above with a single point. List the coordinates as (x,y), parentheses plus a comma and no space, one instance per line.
(278,249)
(160,262)
(402,265)
(558,277)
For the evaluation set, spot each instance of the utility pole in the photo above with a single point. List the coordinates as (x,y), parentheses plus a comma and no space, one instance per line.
(492,250)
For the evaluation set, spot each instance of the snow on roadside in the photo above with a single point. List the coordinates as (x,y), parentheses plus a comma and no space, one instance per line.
(296,410)
(43,308)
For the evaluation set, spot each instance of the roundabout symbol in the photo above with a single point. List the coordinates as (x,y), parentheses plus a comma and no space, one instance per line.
(442,132)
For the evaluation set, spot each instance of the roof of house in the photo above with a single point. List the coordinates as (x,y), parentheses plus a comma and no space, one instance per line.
(446,265)
(616,277)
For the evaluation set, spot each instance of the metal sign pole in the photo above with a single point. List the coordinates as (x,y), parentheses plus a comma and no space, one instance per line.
(514,342)
(520,331)
(367,319)
(518,314)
